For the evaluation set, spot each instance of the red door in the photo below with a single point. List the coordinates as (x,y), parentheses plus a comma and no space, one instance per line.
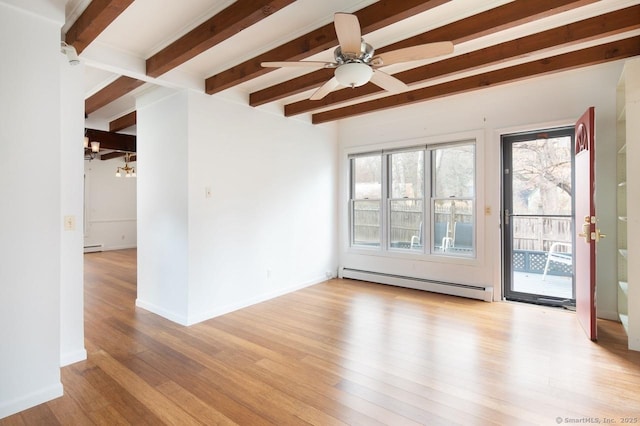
(585,209)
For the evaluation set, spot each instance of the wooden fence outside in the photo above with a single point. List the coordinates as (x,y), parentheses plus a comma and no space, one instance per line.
(532,233)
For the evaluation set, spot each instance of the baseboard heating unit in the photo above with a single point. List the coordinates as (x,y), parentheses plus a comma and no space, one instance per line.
(92,248)
(462,290)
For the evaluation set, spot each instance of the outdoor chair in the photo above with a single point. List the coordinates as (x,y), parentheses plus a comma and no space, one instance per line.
(463,236)
(556,255)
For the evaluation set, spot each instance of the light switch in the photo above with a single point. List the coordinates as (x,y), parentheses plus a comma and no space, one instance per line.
(69,223)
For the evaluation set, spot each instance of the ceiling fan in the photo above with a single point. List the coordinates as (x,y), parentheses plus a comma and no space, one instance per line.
(355,63)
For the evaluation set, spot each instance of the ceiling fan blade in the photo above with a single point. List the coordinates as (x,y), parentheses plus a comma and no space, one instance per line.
(311,64)
(348,32)
(388,82)
(325,89)
(413,53)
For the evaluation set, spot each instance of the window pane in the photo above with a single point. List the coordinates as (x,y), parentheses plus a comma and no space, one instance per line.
(453,171)
(453,227)
(407,174)
(366,223)
(406,224)
(542,176)
(367,180)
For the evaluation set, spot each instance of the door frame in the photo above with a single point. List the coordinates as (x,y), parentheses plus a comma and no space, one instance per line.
(505,228)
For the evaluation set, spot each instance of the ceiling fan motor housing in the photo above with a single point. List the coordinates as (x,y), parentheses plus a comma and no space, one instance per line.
(365,54)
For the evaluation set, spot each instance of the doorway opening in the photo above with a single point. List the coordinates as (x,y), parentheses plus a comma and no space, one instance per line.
(538,208)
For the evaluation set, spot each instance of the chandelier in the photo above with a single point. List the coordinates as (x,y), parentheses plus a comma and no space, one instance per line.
(127,170)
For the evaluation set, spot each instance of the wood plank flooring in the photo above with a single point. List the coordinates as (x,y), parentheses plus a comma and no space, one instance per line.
(340,352)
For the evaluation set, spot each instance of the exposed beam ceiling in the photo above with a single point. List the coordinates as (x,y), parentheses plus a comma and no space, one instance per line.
(482,24)
(95,18)
(112,155)
(117,154)
(218,45)
(240,15)
(111,140)
(110,93)
(591,56)
(371,18)
(599,26)
(124,122)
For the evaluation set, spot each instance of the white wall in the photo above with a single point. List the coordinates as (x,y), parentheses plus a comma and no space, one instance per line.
(110,205)
(557,99)
(72,267)
(30,217)
(162,138)
(269,226)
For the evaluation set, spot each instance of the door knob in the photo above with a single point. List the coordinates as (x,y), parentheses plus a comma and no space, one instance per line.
(597,236)
(586,230)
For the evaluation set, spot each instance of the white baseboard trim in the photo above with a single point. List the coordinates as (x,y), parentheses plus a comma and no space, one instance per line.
(484,293)
(72,357)
(22,403)
(252,301)
(171,316)
(203,316)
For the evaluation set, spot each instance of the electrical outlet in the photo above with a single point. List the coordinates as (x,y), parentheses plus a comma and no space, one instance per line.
(208,193)
(487,210)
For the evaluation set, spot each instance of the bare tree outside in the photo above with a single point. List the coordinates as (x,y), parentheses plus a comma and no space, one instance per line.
(542,176)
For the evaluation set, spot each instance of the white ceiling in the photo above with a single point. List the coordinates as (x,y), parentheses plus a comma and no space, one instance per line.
(147,26)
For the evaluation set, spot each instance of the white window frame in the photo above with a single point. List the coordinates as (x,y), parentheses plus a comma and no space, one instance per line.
(427,252)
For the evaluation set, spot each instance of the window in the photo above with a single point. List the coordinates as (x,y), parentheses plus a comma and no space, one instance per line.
(406,200)
(388,210)
(452,201)
(366,198)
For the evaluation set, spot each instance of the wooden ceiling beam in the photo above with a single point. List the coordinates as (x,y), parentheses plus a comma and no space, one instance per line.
(374,17)
(110,93)
(613,51)
(600,26)
(112,140)
(95,18)
(230,21)
(118,154)
(123,122)
(488,22)
(111,155)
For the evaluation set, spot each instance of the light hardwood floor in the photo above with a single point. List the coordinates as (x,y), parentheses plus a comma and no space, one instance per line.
(340,352)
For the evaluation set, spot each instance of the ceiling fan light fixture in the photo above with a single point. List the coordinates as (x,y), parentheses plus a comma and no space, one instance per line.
(353,74)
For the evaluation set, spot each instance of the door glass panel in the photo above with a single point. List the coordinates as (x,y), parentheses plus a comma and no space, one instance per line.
(539,205)
(542,177)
